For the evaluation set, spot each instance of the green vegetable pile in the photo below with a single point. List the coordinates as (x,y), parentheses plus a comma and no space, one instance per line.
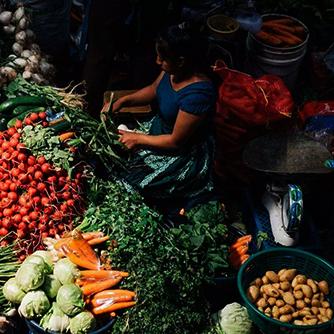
(167,266)
(47,294)
(42,141)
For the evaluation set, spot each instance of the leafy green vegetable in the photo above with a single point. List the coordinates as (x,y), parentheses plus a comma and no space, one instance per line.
(30,276)
(82,323)
(36,259)
(55,320)
(65,271)
(69,299)
(47,257)
(234,319)
(168,267)
(43,141)
(12,291)
(34,304)
(51,286)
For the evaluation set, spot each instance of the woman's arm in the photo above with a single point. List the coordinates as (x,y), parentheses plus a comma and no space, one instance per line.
(141,97)
(185,125)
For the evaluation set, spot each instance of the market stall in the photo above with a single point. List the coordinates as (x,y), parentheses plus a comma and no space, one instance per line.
(82,251)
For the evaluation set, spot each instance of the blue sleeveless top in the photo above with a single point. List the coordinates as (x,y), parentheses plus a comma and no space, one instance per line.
(197,98)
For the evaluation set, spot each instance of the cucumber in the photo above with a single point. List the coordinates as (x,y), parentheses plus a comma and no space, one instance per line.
(60,126)
(24,114)
(10,104)
(20,109)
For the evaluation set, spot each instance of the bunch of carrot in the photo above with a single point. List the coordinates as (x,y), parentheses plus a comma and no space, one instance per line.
(238,251)
(95,281)
(281,32)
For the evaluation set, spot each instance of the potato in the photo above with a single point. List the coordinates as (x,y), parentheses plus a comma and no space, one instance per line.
(285,286)
(315,310)
(298,294)
(312,285)
(298,322)
(307,300)
(253,293)
(276,285)
(280,303)
(275,312)
(286,309)
(322,318)
(285,318)
(261,303)
(257,282)
(300,304)
(282,271)
(323,286)
(265,280)
(310,320)
(288,275)
(329,313)
(299,279)
(272,276)
(267,312)
(325,304)
(272,301)
(289,298)
(315,302)
(271,291)
(322,311)
(307,291)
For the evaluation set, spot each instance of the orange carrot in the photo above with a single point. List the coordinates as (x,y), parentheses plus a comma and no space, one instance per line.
(97,241)
(286,36)
(92,235)
(268,38)
(241,250)
(79,259)
(95,302)
(247,238)
(291,29)
(66,136)
(59,243)
(103,273)
(111,293)
(82,249)
(105,308)
(95,287)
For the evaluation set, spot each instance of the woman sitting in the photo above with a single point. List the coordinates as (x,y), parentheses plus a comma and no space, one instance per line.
(173,161)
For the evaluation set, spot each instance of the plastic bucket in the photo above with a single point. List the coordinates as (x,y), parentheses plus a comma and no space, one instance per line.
(35,328)
(222,27)
(283,62)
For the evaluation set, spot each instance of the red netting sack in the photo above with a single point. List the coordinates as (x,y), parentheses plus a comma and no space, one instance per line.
(245,106)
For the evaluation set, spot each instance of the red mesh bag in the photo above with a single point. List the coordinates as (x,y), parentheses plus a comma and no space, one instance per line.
(245,106)
(314,108)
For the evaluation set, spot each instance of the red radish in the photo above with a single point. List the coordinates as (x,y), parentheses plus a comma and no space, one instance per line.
(18,124)
(41,160)
(42,115)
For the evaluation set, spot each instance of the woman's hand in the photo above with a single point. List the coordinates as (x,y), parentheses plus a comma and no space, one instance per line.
(118,104)
(130,139)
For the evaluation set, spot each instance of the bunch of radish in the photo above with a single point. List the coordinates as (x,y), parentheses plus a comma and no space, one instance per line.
(36,199)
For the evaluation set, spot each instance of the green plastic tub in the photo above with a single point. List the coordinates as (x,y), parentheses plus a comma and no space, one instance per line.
(276,259)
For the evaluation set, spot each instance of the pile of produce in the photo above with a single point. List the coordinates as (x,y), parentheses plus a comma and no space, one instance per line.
(168,266)
(291,297)
(281,31)
(38,199)
(24,56)
(65,294)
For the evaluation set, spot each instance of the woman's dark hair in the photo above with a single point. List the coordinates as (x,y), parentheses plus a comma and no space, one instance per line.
(187,42)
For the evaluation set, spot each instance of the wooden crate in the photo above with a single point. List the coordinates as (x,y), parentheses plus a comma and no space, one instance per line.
(110,96)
